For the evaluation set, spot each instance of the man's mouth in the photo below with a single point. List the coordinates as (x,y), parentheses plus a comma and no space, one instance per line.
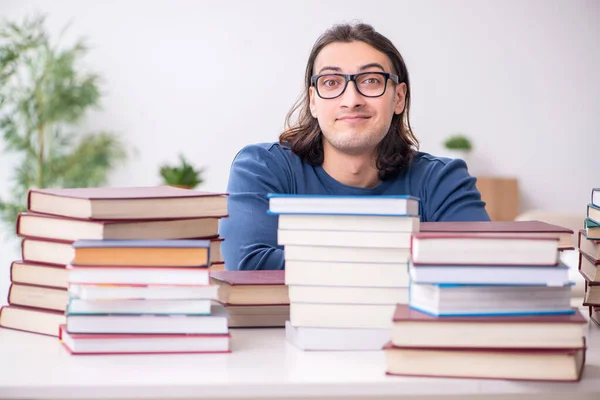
(353,118)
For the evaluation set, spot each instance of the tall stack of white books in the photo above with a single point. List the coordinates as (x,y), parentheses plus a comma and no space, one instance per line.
(346,266)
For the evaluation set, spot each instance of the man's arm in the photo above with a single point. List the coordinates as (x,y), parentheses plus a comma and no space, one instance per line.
(450,194)
(250,233)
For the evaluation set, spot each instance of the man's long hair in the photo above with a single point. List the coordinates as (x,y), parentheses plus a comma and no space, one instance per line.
(302,132)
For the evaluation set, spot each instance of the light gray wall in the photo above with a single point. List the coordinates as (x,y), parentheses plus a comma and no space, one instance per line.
(206,77)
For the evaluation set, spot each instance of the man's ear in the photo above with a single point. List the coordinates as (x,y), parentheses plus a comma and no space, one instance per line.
(311,95)
(400,98)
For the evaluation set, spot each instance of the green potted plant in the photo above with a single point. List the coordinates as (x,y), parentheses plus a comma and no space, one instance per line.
(458,146)
(45,94)
(183,175)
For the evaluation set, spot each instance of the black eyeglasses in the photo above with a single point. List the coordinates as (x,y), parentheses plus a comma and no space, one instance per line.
(368,84)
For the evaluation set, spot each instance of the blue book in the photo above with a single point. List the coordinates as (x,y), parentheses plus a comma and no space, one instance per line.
(343,205)
(592,229)
(445,300)
(593,213)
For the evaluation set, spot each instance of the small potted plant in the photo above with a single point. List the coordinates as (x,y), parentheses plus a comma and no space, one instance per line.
(458,146)
(183,176)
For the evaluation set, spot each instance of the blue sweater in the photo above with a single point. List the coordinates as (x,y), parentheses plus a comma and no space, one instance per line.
(445,188)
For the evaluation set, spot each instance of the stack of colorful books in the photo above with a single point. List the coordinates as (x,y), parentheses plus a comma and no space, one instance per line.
(142,296)
(345,266)
(56,218)
(589,256)
(488,305)
(253,299)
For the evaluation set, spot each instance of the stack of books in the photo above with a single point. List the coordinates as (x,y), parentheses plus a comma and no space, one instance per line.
(142,296)
(487,305)
(56,218)
(253,299)
(345,266)
(589,256)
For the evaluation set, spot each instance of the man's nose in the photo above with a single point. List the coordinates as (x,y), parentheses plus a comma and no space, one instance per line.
(351,98)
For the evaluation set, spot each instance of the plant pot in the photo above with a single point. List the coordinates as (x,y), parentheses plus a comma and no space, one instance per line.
(182,187)
(462,154)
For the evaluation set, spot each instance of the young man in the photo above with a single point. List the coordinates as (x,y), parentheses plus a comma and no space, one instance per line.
(352,136)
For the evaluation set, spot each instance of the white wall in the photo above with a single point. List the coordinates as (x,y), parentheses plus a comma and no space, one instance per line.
(522,78)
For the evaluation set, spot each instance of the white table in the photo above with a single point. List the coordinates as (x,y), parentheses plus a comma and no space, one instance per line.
(263,365)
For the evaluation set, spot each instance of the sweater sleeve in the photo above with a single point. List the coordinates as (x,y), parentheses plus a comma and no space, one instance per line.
(250,233)
(450,194)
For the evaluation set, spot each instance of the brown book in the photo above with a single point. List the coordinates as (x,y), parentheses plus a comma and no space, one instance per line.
(258,316)
(216,257)
(595,315)
(592,294)
(35,320)
(504,228)
(145,253)
(65,228)
(39,274)
(589,268)
(590,247)
(512,364)
(60,252)
(46,298)
(412,328)
(127,203)
(251,287)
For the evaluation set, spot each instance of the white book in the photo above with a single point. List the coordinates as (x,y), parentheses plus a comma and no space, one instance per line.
(156,324)
(328,204)
(348,295)
(346,254)
(138,275)
(486,274)
(481,249)
(133,306)
(344,238)
(459,300)
(355,274)
(150,292)
(332,222)
(342,315)
(331,339)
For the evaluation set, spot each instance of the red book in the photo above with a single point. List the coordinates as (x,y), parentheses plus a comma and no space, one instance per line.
(504,228)
(251,287)
(590,247)
(127,203)
(589,268)
(39,274)
(96,344)
(469,248)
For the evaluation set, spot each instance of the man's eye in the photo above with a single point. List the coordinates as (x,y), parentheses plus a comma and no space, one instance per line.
(370,81)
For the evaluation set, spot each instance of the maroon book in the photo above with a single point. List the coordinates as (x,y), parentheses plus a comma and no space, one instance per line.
(237,278)
(500,228)
(127,203)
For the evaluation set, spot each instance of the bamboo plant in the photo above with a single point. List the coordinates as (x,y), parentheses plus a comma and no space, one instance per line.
(45,94)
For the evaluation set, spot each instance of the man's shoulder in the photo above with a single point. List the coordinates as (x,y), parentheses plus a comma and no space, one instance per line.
(423,162)
(275,149)
(272,155)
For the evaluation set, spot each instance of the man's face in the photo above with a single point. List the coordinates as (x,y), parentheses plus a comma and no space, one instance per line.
(353,123)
